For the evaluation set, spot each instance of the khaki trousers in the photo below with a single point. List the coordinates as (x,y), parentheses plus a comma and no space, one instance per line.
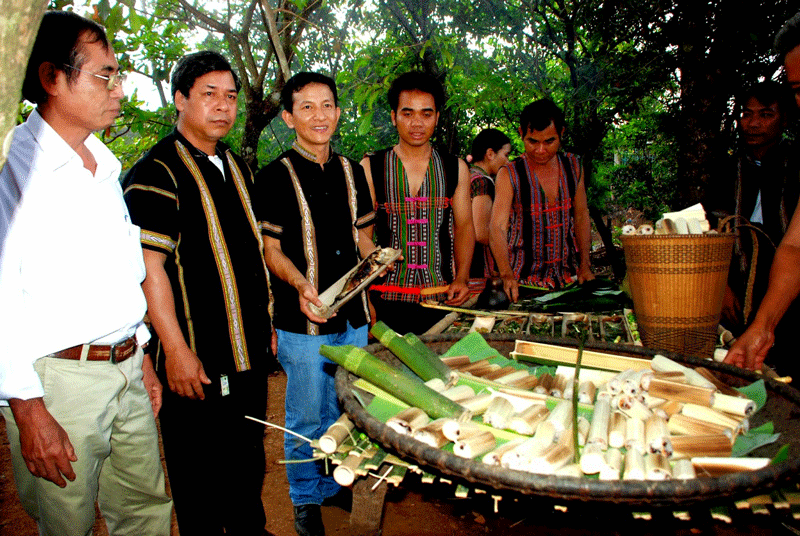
(106,412)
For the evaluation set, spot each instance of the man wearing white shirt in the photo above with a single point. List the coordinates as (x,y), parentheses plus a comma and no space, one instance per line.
(81,394)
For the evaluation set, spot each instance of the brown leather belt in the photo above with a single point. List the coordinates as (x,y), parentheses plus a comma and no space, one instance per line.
(114,353)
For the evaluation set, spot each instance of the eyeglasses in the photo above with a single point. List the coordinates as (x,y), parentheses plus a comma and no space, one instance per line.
(113,80)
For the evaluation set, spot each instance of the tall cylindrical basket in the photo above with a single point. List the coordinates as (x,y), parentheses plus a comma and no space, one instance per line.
(678,282)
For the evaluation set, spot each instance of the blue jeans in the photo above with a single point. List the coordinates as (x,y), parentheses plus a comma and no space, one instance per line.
(311,407)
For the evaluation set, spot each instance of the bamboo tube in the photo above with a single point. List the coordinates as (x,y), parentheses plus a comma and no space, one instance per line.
(478,403)
(526,421)
(474,445)
(459,393)
(409,390)
(722,387)
(663,364)
(634,434)
(408,420)
(633,408)
(528,382)
(583,430)
(592,459)
(425,364)
(616,430)
(573,470)
(586,392)
(645,377)
(598,432)
(540,352)
(560,417)
(634,465)
(657,436)
(431,434)
(480,367)
(742,407)
(336,433)
(682,392)
(613,466)
(499,413)
(713,416)
(615,383)
(683,469)
(552,459)
(493,457)
(499,373)
(454,430)
(680,424)
(345,473)
(436,384)
(519,457)
(657,467)
(544,385)
(558,387)
(717,445)
(670,407)
(453,361)
(720,466)
(677,376)
(517,375)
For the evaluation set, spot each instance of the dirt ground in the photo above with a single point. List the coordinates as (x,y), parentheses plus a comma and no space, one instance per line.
(420,509)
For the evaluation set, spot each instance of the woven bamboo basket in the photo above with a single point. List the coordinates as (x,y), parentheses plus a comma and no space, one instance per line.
(678,282)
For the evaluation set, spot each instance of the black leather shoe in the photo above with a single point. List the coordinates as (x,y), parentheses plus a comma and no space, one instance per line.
(308,520)
(343,499)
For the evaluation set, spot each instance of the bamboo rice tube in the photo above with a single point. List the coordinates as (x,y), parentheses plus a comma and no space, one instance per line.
(544,385)
(713,416)
(679,424)
(437,385)
(345,473)
(453,361)
(586,392)
(528,382)
(598,432)
(499,413)
(519,457)
(682,392)
(336,433)
(633,408)
(613,466)
(480,367)
(408,420)
(634,434)
(743,407)
(526,421)
(454,430)
(671,407)
(499,373)
(517,375)
(552,459)
(721,386)
(583,429)
(634,465)
(645,377)
(560,417)
(615,383)
(657,435)
(459,393)
(706,445)
(426,365)
(558,387)
(663,364)
(592,459)
(409,390)
(616,430)
(474,445)
(494,456)
(478,403)
(573,470)
(657,467)
(431,434)
(714,466)
(675,376)
(683,469)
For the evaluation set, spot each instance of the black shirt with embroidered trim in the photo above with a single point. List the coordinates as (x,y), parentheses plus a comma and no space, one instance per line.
(217,272)
(278,211)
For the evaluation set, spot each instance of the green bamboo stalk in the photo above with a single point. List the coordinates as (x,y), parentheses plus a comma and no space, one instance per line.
(425,365)
(422,348)
(409,390)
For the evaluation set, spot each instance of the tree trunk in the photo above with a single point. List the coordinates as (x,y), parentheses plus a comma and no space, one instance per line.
(259,114)
(19,24)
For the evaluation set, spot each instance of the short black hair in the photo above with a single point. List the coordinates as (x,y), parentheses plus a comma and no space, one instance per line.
(489,138)
(419,81)
(788,37)
(767,93)
(301,80)
(192,66)
(60,41)
(539,114)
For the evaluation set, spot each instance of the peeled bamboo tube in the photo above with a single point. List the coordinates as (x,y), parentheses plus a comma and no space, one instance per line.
(474,445)
(552,459)
(675,376)
(592,459)
(526,421)
(572,469)
(713,416)
(615,383)
(657,435)
(409,390)
(459,393)
(424,364)
(634,434)
(453,361)
(717,445)
(645,377)
(657,467)
(478,403)
(633,408)
(408,420)
(616,430)
(583,429)
(558,387)
(683,469)
(586,392)
(336,433)
(528,382)
(499,373)
(493,457)
(720,466)
(598,431)
(345,473)
(436,384)
(671,407)
(454,430)
(499,413)
(663,364)
(515,376)
(680,424)
(544,385)
(682,392)
(634,465)
(560,417)
(743,407)
(722,387)
(519,457)
(480,367)
(613,466)
(431,434)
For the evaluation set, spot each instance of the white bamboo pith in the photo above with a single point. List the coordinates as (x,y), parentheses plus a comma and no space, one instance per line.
(459,393)
(682,392)
(493,457)
(437,384)
(592,459)
(432,434)
(518,457)
(453,429)
(336,434)
(680,424)
(702,445)
(634,435)
(512,377)
(408,420)
(657,467)
(478,403)
(499,413)
(634,465)
(663,364)
(553,458)
(683,469)
(345,473)
(616,430)
(633,407)
(544,385)
(526,421)
(586,392)
(742,407)
(475,445)
(583,429)
(598,431)
(613,466)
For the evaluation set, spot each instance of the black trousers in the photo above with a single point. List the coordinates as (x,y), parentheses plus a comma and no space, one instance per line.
(215,457)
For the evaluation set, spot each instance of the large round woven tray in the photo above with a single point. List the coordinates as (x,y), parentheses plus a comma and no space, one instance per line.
(783,409)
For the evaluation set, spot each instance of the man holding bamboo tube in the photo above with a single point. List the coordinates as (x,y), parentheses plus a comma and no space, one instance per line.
(316,216)
(752,347)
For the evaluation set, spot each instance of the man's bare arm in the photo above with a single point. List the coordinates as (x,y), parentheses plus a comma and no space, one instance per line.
(464,237)
(498,233)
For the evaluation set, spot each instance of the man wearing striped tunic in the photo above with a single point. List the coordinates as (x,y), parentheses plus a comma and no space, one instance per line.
(539,228)
(423,208)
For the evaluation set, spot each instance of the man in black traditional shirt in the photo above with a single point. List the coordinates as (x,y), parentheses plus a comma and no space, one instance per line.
(316,216)
(207,296)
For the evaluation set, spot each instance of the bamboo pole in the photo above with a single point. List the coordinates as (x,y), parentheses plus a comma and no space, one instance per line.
(426,365)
